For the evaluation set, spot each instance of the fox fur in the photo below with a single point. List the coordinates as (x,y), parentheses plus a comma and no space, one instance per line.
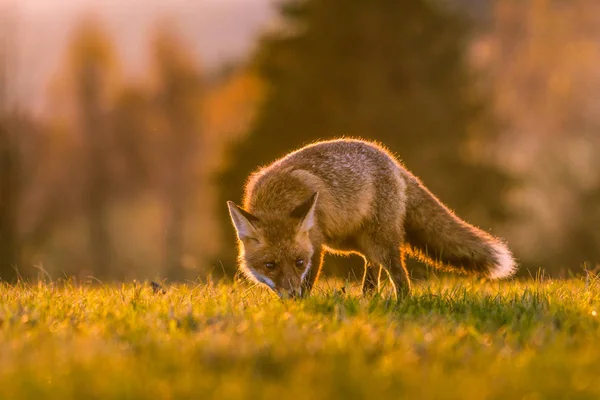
(352,196)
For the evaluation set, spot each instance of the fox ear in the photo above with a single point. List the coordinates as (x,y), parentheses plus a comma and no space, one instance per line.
(306,213)
(243,221)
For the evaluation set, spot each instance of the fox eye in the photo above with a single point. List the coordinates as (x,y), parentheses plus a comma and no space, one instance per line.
(270,265)
(299,263)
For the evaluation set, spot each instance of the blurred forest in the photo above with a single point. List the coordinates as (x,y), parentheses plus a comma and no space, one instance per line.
(124,177)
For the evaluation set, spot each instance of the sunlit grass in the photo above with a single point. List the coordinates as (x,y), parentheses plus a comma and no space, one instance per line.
(454,339)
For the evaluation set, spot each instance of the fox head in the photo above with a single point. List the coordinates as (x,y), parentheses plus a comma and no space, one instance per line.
(275,249)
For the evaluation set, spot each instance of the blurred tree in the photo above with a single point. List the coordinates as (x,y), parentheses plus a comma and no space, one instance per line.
(49,194)
(135,145)
(22,158)
(179,100)
(29,206)
(391,71)
(91,66)
(10,159)
(230,108)
(9,197)
(541,57)
(162,139)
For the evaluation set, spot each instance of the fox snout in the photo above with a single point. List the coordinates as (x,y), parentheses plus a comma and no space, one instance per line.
(290,288)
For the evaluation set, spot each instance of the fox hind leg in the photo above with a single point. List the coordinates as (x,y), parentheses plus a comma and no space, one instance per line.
(388,255)
(373,278)
(395,264)
(392,260)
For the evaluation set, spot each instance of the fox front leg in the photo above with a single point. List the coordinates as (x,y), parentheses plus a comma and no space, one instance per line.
(312,274)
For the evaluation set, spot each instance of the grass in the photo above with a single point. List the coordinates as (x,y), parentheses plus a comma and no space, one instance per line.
(454,339)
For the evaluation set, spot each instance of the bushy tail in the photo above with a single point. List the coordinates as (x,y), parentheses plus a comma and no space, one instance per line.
(438,237)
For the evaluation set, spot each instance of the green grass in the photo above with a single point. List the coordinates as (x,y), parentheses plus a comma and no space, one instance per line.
(454,339)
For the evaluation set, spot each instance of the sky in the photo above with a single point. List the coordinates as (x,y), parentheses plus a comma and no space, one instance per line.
(216,30)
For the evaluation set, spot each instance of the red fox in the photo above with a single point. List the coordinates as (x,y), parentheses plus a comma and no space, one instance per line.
(352,196)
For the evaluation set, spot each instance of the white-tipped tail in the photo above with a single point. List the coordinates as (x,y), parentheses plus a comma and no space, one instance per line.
(505,263)
(436,236)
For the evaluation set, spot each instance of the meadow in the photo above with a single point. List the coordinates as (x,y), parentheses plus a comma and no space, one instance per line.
(454,339)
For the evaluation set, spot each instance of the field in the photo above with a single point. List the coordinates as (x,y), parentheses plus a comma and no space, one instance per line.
(454,339)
